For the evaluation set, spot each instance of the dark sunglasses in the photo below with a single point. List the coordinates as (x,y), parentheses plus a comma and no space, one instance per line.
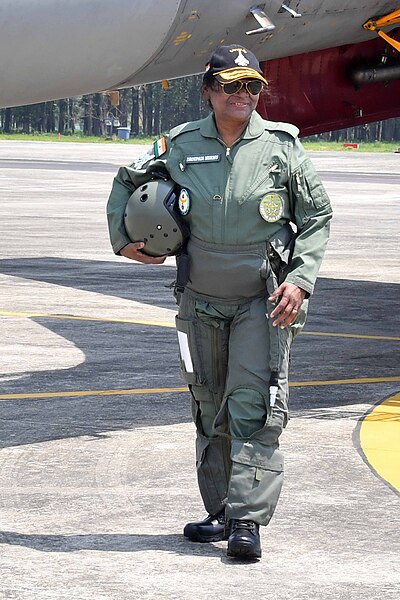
(253,87)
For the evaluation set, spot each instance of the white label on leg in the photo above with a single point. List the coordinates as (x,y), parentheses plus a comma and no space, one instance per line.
(185,352)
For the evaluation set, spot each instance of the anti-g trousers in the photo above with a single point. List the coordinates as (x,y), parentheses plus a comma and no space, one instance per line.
(226,360)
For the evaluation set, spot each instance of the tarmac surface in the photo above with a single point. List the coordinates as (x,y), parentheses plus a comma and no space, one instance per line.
(97,472)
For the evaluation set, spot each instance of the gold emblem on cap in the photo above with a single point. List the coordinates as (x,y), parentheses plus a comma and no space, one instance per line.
(271,207)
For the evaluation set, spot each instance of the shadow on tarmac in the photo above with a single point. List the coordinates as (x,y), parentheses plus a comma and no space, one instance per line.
(364,307)
(130,356)
(130,280)
(109,542)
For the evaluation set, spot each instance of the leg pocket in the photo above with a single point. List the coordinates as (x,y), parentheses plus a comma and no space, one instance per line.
(189,353)
(213,468)
(256,481)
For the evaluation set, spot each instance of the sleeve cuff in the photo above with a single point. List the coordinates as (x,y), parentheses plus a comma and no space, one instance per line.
(118,247)
(301,283)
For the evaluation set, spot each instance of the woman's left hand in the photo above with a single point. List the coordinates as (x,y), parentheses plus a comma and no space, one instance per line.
(291,300)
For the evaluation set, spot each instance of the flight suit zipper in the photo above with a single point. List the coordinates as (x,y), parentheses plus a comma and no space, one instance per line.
(227,193)
(216,358)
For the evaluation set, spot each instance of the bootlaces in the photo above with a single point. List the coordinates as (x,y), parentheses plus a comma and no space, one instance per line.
(244,525)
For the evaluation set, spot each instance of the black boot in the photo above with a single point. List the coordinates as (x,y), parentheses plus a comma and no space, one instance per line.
(212,529)
(244,540)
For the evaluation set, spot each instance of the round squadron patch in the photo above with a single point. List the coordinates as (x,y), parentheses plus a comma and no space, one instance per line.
(184,202)
(271,207)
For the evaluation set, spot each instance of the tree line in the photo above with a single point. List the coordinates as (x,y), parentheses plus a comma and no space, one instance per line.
(148,110)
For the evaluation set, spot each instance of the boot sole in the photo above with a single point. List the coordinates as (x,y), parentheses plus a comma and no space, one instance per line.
(206,539)
(243,552)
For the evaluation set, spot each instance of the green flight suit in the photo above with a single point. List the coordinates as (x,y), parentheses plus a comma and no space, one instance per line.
(228,346)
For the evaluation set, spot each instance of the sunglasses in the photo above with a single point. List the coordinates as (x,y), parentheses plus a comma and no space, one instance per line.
(253,86)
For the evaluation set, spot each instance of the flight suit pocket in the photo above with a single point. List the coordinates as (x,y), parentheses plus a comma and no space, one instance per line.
(308,189)
(189,176)
(256,481)
(227,272)
(190,361)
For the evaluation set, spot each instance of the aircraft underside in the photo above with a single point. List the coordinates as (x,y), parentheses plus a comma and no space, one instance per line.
(333,88)
(331,64)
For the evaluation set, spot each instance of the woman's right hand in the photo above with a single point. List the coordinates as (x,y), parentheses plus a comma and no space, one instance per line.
(133,251)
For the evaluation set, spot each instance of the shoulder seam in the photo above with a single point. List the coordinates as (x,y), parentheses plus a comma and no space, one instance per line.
(281,126)
(183,128)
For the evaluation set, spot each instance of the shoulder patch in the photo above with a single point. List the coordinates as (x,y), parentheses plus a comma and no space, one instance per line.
(140,162)
(292,130)
(160,147)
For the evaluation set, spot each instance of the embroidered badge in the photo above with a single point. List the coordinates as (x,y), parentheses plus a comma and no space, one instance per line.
(240,60)
(160,147)
(184,202)
(271,207)
(143,159)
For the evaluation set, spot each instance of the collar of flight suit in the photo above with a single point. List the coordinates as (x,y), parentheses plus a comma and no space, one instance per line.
(255,127)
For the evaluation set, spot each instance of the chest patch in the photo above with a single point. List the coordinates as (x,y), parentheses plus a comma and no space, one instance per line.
(271,207)
(184,202)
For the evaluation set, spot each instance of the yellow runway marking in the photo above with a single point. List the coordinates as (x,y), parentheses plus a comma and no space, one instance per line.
(5,313)
(94,393)
(380,440)
(183,389)
(352,335)
(344,381)
(379,432)
(32,315)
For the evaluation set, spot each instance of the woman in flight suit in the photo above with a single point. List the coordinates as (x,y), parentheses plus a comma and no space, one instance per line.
(259,223)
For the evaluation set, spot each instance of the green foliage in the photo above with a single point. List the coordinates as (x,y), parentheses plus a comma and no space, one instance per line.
(363,146)
(142,139)
(79,137)
(149,110)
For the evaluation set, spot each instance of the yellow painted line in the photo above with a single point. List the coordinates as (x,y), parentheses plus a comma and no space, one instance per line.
(32,315)
(136,391)
(5,313)
(352,335)
(94,393)
(380,440)
(344,381)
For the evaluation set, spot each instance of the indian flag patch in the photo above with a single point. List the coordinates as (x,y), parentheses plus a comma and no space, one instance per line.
(160,147)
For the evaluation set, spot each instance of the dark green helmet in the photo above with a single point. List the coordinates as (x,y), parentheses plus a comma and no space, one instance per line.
(152,217)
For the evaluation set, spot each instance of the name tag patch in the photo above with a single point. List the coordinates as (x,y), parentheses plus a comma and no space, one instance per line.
(203,158)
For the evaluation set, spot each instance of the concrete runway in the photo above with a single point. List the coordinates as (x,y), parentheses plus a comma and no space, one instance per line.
(97,470)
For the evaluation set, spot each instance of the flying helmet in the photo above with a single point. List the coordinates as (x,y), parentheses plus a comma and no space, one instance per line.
(152,216)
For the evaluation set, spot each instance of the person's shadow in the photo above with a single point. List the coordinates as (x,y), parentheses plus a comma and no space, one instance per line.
(130,356)
(120,542)
(110,542)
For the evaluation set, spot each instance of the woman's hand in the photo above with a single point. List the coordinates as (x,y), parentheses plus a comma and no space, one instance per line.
(133,251)
(291,300)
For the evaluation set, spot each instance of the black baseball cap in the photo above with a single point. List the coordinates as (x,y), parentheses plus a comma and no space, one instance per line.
(230,63)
